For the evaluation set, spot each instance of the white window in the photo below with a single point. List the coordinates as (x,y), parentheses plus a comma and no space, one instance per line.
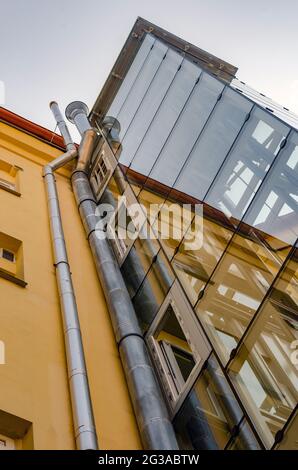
(178,346)
(7,184)
(7,254)
(6,443)
(102,170)
(125,224)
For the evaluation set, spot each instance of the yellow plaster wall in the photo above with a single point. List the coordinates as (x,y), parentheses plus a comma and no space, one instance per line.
(33,382)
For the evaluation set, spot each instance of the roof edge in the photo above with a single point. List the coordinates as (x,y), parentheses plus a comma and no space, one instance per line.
(31,128)
(213,64)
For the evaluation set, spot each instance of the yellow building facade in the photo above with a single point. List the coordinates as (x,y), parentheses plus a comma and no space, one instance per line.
(188,321)
(35,411)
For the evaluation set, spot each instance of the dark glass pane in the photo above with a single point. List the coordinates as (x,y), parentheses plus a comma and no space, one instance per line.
(209,413)
(153,291)
(244,440)
(138,262)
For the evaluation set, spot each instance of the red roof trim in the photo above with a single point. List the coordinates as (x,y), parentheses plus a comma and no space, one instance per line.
(8,117)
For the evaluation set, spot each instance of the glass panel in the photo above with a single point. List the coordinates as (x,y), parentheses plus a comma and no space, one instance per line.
(148,107)
(152,202)
(244,440)
(194,264)
(171,225)
(115,188)
(213,144)
(247,164)
(209,413)
(153,291)
(138,262)
(187,129)
(290,439)
(123,230)
(131,76)
(135,179)
(166,117)
(275,209)
(235,291)
(140,86)
(265,368)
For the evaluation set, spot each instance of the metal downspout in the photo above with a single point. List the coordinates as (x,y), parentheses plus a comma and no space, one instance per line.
(154,424)
(84,428)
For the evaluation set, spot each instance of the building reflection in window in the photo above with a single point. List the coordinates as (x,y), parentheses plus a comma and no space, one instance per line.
(235,291)
(247,164)
(265,368)
(194,266)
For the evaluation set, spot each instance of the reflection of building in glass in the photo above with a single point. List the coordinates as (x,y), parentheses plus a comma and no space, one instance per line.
(219,320)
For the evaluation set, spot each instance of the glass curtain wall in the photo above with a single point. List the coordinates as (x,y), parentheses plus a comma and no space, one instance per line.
(188,138)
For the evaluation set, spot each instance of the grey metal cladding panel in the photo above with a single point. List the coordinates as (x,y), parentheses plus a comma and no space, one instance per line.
(168,113)
(187,129)
(213,144)
(149,106)
(131,75)
(141,85)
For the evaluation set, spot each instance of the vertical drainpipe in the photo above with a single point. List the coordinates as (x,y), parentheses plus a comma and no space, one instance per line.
(84,428)
(155,427)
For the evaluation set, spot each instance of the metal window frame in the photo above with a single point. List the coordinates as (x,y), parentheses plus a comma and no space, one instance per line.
(120,249)
(195,337)
(107,158)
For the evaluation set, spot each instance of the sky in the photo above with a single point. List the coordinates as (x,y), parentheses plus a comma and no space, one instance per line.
(63,50)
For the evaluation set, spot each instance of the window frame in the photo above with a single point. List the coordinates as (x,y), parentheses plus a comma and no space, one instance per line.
(196,340)
(106,158)
(127,199)
(8,251)
(7,443)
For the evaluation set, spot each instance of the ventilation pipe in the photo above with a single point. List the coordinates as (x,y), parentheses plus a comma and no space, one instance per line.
(76,112)
(84,428)
(155,427)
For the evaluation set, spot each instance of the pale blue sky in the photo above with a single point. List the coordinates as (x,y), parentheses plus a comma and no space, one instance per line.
(64,49)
